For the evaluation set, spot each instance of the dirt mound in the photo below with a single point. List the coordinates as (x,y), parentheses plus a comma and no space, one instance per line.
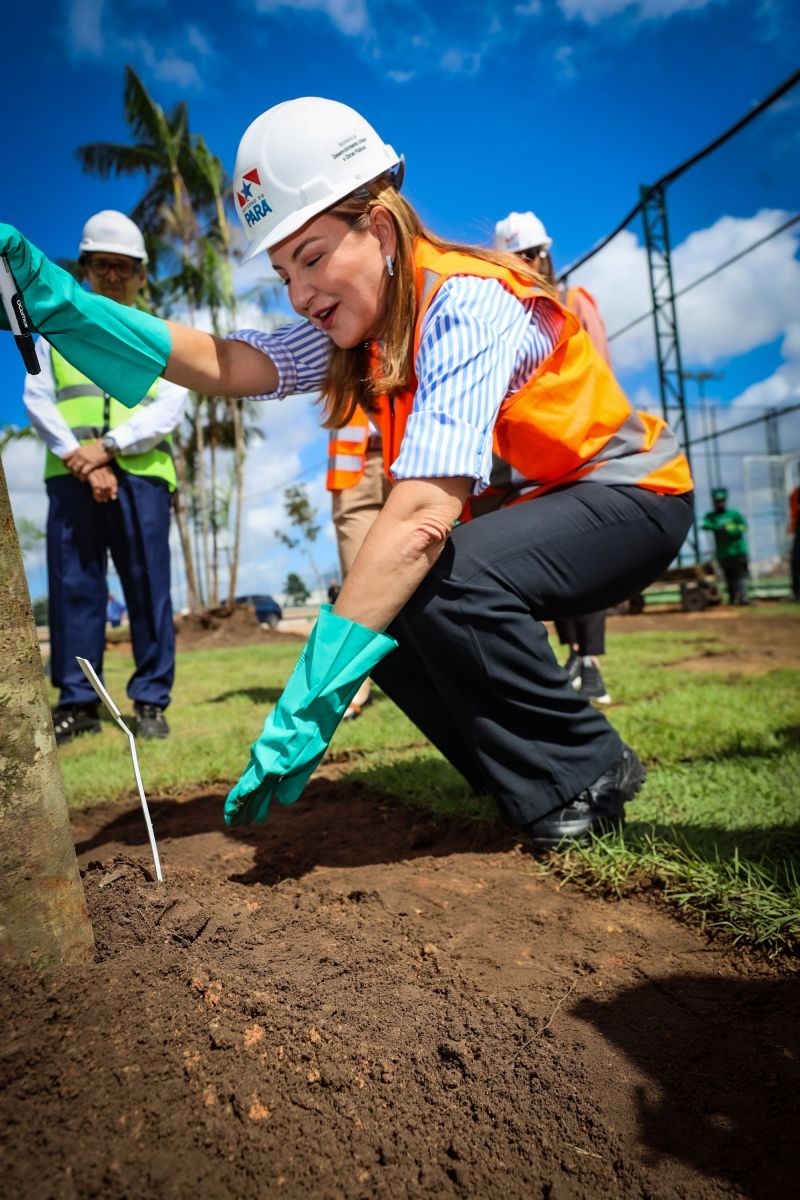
(358,1002)
(218,627)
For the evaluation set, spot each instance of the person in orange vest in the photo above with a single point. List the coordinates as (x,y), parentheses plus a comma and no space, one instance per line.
(585,635)
(524,483)
(793,528)
(359,489)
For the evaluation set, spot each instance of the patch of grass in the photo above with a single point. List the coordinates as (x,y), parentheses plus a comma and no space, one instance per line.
(753,902)
(716,831)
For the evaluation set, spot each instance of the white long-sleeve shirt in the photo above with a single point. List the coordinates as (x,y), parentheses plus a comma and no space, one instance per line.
(478,344)
(143,430)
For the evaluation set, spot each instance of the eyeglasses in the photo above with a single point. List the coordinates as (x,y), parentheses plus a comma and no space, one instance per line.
(535,253)
(123,268)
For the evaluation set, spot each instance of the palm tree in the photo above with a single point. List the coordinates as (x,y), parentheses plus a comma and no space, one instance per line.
(183,214)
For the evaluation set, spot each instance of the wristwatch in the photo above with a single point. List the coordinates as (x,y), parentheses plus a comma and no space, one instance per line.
(109,444)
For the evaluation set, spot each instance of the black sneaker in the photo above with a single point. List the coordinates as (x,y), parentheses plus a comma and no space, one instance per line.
(71,720)
(573,668)
(591,685)
(597,809)
(150,722)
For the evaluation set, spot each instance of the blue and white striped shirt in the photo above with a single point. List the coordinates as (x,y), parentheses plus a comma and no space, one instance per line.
(478,344)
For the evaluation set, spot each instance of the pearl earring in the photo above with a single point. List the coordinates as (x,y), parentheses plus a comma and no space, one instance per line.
(389,264)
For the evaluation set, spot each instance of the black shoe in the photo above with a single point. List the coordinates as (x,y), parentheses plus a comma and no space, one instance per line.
(573,668)
(150,722)
(71,720)
(597,809)
(591,685)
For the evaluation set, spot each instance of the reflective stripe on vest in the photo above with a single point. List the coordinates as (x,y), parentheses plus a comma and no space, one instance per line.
(570,419)
(347,449)
(90,413)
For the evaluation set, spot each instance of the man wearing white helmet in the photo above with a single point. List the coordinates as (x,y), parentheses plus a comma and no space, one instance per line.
(523,483)
(585,635)
(109,475)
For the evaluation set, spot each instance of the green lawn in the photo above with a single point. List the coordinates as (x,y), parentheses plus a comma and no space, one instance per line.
(716,831)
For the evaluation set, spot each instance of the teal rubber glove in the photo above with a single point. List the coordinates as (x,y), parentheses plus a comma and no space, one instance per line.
(336,660)
(121,349)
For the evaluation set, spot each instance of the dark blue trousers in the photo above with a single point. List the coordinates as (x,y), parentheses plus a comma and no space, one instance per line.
(474,669)
(134,528)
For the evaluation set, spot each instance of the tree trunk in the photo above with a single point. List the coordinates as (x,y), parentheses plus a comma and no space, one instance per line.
(202,494)
(212,406)
(238,459)
(43,917)
(179,506)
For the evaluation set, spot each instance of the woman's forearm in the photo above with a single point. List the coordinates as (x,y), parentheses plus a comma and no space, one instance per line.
(217,366)
(401,547)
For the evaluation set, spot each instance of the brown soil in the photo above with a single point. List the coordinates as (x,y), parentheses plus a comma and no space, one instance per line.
(221,627)
(739,642)
(356,1001)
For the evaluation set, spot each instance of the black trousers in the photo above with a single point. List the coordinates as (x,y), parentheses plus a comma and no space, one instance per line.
(588,632)
(474,669)
(735,569)
(80,533)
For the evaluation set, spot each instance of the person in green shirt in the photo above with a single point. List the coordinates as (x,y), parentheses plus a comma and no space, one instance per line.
(730,544)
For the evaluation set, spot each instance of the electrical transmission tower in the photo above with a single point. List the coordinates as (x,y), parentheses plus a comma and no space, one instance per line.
(709,424)
(777,476)
(665,318)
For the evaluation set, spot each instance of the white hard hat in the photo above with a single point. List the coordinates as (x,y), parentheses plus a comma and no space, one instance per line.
(114,233)
(299,158)
(521,231)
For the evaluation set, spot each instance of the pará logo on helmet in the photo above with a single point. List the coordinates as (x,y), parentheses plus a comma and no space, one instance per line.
(254,205)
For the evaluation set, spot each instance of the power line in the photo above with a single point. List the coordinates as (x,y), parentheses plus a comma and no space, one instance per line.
(781,412)
(286,483)
(672,175)
(710,274)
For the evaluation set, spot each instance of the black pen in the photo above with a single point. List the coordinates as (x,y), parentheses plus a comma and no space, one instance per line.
(18,318)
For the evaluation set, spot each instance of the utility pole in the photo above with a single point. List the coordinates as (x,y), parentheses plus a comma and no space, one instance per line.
(665,318)
(708,417)
(777,475)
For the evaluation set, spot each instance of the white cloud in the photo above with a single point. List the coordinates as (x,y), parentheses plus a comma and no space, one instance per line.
(23,462)
(102,34)
(85,28)
(595,11)
(751,303)
(350,17)
(405,38)
(165,66)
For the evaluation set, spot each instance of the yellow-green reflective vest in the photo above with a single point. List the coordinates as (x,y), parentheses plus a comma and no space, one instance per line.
(90,412)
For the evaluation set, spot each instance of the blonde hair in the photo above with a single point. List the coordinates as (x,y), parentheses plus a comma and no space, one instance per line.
(349,379)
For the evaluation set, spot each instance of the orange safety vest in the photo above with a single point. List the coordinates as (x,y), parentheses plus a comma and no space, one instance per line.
(572,294)
(347,449)
(571,419)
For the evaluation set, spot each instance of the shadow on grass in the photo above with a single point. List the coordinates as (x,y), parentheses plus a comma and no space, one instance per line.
(787,738)
(722,1073)
(264,697)
(777,845)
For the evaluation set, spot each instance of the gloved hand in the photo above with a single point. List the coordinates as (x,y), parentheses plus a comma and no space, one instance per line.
(121,349)
(337,658)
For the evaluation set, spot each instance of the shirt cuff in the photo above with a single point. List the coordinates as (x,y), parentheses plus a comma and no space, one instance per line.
(282,358)
(436,445)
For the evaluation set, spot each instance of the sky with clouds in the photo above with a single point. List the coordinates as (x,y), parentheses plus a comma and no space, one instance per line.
(563,106)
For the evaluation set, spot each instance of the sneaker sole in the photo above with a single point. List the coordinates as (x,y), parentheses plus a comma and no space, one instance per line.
(632,782)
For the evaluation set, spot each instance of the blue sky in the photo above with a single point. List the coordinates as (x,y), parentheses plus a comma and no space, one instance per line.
(564,106)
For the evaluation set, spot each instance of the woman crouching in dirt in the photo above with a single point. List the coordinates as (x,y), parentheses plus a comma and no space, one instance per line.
(525,485)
